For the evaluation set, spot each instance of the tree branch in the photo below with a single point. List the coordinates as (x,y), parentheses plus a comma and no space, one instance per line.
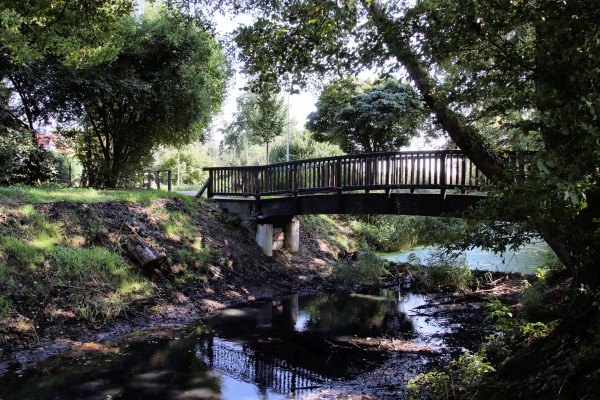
(465,136)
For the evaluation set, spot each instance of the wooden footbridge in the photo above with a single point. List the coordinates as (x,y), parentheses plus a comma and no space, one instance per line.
(430,183)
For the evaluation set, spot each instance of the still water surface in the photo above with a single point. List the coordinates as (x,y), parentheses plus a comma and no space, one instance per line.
(526,260)
(268,350)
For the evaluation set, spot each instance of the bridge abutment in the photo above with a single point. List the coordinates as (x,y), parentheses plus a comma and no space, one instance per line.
(272,237)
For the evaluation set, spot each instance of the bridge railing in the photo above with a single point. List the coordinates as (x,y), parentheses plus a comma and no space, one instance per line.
(444,169)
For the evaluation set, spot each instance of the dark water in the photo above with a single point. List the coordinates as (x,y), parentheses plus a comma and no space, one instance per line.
(268,350)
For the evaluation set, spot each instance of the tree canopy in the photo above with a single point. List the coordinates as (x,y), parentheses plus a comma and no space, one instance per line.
(362,117)
(76,31)
(162,89)
(260,116)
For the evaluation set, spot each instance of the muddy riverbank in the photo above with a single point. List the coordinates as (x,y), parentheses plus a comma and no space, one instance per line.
(59,316)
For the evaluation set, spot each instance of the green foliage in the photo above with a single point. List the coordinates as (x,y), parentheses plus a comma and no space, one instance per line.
(362,117)
(162,89)
(368,268)
(5,307)
(79,31)
(302,146)
(263,114)
(460,380)
(191,159)
(391,233)
(444,270)
(512,331)
(22,161)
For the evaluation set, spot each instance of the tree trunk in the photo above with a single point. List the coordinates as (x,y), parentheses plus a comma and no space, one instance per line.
(465,137)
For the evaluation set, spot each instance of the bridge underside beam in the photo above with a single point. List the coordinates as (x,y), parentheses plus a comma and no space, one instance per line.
(425,204)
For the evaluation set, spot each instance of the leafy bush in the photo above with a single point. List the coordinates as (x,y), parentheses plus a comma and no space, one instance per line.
(22,161)
(511,331)
(366,269)
(461,380)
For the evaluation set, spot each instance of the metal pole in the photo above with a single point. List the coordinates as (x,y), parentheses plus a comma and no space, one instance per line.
(178,171)
(287,147)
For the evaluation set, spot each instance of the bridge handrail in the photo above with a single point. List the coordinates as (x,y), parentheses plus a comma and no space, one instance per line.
(427,169)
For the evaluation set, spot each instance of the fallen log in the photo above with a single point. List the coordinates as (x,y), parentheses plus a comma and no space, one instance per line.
(147,257)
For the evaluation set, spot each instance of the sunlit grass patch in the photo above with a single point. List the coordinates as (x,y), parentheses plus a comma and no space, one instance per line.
(35,195)
(103,273)
(179,227)
(81,263)
(23,252)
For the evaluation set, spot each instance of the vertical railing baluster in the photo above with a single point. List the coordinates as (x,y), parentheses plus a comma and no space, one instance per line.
(464,172)
(443,174)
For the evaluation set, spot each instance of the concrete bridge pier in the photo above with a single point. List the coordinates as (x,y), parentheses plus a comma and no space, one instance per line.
(279,235)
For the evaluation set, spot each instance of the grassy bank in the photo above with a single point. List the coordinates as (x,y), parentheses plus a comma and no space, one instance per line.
(66,260)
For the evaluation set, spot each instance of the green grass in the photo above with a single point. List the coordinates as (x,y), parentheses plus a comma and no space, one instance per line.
(36,195)
(82,262)
(23,252)
(441,270)
(179,227)
(368,268)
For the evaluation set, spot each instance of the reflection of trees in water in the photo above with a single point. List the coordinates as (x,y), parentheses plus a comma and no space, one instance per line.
(262,347)
(150,371)
(361,315)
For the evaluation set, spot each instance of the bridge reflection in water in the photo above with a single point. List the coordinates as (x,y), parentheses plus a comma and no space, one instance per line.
(245,363)
(268,350)
(290,346)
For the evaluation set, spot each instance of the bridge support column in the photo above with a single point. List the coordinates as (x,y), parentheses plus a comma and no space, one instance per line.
(292,235)
(264,238)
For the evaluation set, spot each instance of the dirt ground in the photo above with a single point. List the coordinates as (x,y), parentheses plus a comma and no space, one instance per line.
(238,273)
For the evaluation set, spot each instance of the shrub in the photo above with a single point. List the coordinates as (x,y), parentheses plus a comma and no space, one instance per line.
(366,269)
(461,380)
(445,270)
(22,161)
(511,331)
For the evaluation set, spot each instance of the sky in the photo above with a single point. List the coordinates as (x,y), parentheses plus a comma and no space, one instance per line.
(301,104)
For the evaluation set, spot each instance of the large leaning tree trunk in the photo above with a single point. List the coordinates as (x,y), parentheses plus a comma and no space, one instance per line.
(467,138)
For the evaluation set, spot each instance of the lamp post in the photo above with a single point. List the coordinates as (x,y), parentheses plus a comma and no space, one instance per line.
(287,142)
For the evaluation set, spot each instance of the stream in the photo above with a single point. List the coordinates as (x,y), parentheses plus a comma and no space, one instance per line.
(293,347)
(277,349)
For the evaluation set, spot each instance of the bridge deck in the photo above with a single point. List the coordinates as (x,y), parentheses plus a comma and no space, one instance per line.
(346,184)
